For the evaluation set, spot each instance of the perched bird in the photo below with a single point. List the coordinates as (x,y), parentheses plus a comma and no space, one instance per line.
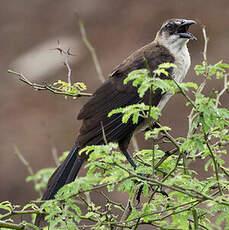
(170,45)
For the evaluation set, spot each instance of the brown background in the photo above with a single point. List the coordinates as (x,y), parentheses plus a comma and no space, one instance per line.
(36,122)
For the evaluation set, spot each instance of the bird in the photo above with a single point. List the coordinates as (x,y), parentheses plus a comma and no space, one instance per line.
(169,45)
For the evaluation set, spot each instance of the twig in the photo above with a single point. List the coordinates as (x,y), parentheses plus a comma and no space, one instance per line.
(91,49)
(202,85)
(67,54)
(200,225)
(205,43)
(25,212)
(165,156)
(8,225)
(27,165)
(171,139)
(126,213)
(214,162)
(53,89)
(184,94)
(111,201)
(225,87)
(167,209)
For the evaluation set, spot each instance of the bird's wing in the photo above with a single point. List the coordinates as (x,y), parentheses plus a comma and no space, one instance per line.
(113,94)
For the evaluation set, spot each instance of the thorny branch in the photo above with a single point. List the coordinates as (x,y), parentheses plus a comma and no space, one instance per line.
(66,62)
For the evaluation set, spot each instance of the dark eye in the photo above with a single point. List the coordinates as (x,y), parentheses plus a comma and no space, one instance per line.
(170,27)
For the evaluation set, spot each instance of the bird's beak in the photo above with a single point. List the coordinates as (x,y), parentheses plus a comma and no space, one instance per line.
(183,30)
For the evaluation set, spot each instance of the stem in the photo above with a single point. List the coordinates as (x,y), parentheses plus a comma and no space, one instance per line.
(215,165)
(91,50)
(205,43)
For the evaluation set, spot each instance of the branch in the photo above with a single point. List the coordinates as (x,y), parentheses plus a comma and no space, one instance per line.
(202,85)
(66,53)
(25,212)
(112,202)
(8,225)
(214,162)
(184,94)
(27,165)
(205,43)
(225,87)
(91,50)
(48,87)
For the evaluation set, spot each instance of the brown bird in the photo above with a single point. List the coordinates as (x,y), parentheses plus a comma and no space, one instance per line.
(170,45)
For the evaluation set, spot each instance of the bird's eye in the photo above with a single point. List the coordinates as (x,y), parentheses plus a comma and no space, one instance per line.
(170,26)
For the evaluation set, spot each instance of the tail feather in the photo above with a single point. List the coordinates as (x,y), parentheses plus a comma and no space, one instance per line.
(64,174)
(60,176)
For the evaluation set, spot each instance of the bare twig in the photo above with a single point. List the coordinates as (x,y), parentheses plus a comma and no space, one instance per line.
(202,85)
(126,213)
(91,50)
(66,62)
(111,201)
(225,87)
(205,43)
(215,165)
(27,165)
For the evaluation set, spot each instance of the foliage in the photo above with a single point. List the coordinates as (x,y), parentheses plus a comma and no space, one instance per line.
(175,196)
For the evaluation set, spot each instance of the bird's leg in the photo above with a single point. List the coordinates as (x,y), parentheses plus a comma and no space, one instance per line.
(128,156)
(123,148)
(133,164)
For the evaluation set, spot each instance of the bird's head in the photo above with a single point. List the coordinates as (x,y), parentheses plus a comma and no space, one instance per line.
(174,33)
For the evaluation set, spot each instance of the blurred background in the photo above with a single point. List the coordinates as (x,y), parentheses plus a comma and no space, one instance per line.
(36,122)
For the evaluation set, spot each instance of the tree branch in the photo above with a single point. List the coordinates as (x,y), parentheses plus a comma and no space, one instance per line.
(48,87)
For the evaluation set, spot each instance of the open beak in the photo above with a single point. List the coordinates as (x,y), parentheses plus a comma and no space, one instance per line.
(183,30)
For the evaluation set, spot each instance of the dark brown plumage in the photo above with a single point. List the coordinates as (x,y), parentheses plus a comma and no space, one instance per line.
(111,95)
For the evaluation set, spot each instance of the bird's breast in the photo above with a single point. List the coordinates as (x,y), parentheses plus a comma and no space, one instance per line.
(182,62)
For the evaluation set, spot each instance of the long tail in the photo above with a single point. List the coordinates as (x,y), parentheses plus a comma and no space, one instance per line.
(64,174)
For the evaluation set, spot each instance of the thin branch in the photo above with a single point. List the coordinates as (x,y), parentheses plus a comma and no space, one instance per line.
(184,94)
(202,85)
(214,162)
(111,201)
(51,88)
(200,225)
(176,212)
(205,43)
(66,62)
(225,87)
(166,210)
(8,225)
(25,212)
(126,213)
(27,165)
(165,156)
(91,50)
